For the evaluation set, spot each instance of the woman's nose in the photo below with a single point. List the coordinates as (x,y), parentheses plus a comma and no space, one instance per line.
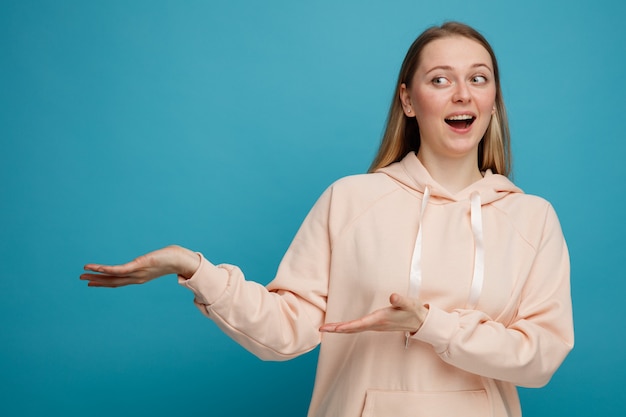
(461,93)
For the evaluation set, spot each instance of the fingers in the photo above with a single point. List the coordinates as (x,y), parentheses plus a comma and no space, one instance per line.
(99,277)
(346,327)
(110,281)
(401,302)
(373,321)
(103,284)
(329,327)
(337,327)
(109,284)
(116,270)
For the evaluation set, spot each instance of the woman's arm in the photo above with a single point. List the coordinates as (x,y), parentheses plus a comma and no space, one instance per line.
(276,322)
(526,352)
(282,320)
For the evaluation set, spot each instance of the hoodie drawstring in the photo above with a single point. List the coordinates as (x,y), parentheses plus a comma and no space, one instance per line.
(415,277)
(479,250)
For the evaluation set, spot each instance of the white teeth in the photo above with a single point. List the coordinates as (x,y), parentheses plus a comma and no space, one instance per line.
(460,117)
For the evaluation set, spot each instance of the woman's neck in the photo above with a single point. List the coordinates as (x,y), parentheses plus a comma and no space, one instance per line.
(454,174)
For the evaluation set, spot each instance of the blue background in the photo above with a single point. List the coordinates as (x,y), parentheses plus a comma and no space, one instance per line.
(129,125)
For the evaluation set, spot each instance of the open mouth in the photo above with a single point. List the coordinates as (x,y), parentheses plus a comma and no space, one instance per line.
(460,122)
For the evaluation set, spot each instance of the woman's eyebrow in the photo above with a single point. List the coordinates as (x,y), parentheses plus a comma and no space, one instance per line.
(440,67)
(482,65)
(449,68)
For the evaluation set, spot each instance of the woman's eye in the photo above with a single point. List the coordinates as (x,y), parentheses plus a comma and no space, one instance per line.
(439,80)
(479,79)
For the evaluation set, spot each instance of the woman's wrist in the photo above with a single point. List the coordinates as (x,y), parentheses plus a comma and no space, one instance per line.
(421,313)
(187,262)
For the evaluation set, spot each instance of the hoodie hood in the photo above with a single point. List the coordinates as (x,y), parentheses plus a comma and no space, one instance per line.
(411,173)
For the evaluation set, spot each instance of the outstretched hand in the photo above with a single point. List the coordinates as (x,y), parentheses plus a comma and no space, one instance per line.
(169,260)
(405,314)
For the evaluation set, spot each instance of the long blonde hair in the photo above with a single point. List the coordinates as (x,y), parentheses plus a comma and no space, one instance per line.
(402,133)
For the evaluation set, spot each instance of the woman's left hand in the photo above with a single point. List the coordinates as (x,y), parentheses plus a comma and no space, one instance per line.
(405,314)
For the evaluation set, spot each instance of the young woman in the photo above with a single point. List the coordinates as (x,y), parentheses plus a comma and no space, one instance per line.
(433,284)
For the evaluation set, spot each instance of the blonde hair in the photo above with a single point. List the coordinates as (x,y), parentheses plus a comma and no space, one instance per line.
(402,133)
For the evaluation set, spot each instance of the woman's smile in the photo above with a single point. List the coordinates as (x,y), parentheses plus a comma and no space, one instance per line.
(460,123)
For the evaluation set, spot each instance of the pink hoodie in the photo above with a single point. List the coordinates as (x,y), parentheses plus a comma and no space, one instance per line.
(490,262)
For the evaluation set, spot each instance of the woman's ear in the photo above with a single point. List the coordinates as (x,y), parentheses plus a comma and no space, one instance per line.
(405,99)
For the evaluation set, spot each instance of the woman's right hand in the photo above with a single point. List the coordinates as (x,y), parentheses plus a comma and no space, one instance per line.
(169,260)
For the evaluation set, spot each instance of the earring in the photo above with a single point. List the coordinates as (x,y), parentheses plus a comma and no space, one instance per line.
(408,110)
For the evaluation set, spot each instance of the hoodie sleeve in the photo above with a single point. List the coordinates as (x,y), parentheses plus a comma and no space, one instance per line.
(280,321)
(529,350)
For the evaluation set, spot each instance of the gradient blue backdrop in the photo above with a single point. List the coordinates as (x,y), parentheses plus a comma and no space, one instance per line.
(129,125)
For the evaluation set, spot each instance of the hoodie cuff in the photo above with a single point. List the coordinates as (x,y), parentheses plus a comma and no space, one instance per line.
(208,283)
(438,328)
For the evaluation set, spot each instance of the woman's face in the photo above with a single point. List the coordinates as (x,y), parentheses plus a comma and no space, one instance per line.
(452,96)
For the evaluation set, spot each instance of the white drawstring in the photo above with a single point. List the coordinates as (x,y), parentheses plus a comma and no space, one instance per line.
(479,250)
(415,279)
(415,276)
